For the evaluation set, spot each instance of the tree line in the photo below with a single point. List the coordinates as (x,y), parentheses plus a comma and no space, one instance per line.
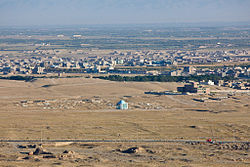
(165,78)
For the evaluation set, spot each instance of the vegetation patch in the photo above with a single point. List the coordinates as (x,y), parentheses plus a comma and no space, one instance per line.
(165,78)
(19,78)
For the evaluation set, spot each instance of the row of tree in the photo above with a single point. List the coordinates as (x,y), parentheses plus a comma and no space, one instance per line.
(19,78)
(159,78)
(165,78)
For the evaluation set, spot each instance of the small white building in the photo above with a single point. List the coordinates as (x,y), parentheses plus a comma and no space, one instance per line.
(209,82)
(122,105)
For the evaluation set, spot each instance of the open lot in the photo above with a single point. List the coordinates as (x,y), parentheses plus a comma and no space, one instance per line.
(81,108)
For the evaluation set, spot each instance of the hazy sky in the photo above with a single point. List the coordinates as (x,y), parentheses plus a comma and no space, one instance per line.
(67,12)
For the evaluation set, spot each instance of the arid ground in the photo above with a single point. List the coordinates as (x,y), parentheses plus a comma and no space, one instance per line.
(85,108)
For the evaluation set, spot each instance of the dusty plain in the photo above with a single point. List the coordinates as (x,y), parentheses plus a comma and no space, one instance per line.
(84,108)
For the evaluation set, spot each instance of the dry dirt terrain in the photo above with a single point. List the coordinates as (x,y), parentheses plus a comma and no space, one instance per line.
(84,108)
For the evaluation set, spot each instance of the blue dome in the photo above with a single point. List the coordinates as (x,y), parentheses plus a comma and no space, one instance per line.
(121,102)
(122,105)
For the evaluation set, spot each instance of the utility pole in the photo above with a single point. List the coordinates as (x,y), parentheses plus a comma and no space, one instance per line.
(212,133)
(41,135)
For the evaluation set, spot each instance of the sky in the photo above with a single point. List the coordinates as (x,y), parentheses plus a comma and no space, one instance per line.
(85,12)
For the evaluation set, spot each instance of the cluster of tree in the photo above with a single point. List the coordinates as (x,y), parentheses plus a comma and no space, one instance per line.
(19,78)
(32,78)
(65,70)
(165,78)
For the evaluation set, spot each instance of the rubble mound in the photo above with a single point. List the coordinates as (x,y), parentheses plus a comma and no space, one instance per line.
(27,146)
(68,154)
(224,146)
(133,150)
(28,158)
(40,150)
(49,156)
(237,146)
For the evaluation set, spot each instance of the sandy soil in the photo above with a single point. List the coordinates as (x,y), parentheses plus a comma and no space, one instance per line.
(80,108)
